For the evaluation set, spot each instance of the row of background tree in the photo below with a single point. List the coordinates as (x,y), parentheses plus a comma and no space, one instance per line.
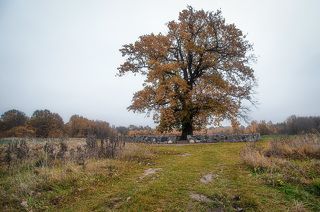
(44,123)
(293,125)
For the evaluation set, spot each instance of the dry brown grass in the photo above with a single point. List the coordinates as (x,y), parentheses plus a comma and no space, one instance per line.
(140,153)
(29,179)
(298,207)
(254,157)
(115,184)
(278,152)
(306,146)
(291,164)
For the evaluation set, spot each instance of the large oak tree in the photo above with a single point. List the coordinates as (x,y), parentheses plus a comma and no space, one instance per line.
(198,73)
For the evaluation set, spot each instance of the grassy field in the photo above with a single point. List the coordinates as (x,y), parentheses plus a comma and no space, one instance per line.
(172,184)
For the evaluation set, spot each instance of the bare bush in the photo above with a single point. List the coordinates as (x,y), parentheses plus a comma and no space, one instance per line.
(50,155)
(108,148)
(63,150)
(48,152)
(91,146)
(16,151)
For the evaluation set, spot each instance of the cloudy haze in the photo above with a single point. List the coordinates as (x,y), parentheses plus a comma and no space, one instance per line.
(63,55)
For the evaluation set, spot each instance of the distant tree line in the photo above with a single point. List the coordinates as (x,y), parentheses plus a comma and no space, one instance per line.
(44,124)
(293,125)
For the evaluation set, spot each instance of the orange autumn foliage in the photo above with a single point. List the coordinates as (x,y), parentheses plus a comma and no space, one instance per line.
(197,74)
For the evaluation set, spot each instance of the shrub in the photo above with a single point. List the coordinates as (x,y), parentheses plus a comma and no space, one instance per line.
(62,150)
(20,131)
(16,151)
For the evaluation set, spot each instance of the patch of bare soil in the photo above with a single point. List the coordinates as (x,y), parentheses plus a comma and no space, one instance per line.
(200,198)
(185,155)
(149,172)
(207,178)
(114,202)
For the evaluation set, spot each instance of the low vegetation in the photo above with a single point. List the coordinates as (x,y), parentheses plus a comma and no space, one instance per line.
(142,177)
(290,164)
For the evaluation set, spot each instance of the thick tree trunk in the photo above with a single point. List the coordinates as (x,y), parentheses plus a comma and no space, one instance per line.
(186,129)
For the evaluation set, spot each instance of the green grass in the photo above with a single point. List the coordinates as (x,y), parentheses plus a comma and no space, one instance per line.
(115,185)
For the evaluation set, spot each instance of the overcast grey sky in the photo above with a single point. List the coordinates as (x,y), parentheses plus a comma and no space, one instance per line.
(63,55)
